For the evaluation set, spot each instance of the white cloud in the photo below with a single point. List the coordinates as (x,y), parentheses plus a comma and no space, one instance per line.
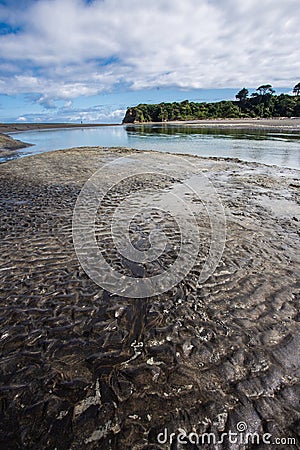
(96,114)
(63,44)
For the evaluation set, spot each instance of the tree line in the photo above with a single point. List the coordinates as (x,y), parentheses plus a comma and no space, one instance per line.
(262,103)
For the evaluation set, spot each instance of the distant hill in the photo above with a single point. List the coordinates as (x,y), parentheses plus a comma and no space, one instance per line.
(258,105)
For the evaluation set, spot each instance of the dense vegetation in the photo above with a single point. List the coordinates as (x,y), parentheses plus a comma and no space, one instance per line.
(262,103)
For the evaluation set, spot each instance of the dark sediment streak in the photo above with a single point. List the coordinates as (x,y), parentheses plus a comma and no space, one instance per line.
(83,369)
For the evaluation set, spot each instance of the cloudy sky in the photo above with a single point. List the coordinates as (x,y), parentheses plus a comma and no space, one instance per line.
(72,60)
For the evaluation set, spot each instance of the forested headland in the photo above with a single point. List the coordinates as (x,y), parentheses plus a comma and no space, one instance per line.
(263,103)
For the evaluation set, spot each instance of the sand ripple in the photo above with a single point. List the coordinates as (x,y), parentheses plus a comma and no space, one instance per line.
(81,368)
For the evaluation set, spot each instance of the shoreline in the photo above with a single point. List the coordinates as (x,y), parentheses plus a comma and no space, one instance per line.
(255,123)
(8,143)
(98,367)
(273,124)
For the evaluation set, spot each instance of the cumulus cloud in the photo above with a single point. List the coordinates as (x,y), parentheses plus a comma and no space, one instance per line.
(62,49)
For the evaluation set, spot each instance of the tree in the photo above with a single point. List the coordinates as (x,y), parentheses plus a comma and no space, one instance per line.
(242,95)
(296,89)
(256,105)
(265,89)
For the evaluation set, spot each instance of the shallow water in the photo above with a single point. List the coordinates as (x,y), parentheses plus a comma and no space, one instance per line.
(279,148)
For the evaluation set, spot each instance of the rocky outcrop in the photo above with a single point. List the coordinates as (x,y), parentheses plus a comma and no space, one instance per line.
(131,116)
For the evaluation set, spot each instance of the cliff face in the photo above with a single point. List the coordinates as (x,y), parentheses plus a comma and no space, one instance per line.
(130,116)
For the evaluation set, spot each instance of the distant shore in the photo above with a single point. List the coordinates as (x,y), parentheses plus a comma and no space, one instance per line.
(277,123)
(280,123)
(15,127)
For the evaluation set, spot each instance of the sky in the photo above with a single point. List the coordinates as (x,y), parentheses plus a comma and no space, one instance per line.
(73,60)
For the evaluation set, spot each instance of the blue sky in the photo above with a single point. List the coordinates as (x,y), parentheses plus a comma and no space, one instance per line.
(73,60)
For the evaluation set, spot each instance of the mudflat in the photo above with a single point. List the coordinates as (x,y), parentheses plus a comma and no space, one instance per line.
(84,368)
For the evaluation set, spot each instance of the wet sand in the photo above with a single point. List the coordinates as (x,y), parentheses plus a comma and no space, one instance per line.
(274,124)
(82,368)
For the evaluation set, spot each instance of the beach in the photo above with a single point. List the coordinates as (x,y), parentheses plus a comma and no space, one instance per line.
(84,368)
(275,123)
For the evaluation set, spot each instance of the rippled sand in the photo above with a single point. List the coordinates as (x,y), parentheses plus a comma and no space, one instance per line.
(81,368)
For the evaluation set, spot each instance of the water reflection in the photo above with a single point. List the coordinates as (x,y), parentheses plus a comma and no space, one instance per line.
(268,147)
(181,130)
